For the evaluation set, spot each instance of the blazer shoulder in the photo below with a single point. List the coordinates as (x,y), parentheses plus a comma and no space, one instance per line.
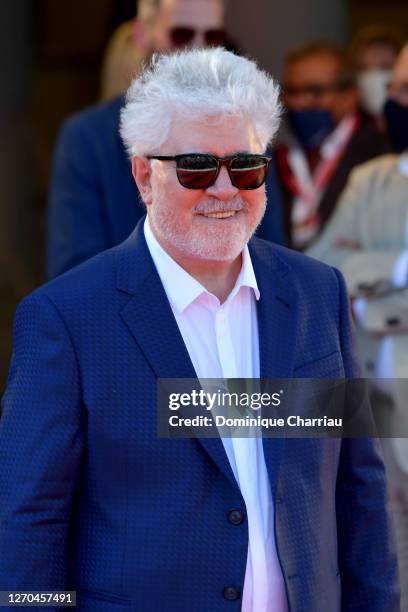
(92,280)
(98,119)
(377,170)
(287,261)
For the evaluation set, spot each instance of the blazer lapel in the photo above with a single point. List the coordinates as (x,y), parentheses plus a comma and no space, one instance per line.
(150,319)
(277,312)
(277,323)
(151,322)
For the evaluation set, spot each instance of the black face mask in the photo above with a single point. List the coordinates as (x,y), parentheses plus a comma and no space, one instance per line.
(311,126)
(396,117)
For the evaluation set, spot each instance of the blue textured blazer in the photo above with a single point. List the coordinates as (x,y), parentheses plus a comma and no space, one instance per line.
(92,500)
(94,203)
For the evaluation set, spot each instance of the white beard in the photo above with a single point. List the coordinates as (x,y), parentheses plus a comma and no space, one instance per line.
(202,238)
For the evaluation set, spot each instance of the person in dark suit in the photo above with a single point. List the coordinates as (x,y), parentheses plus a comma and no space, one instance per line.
(326,137)
(94,203)
(90,498)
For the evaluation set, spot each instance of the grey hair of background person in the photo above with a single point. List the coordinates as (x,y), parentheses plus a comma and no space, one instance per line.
(195,85)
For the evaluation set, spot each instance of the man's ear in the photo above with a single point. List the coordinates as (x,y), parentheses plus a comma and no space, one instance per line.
(142,172)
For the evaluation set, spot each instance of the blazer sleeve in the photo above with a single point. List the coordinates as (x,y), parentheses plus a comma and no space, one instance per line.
(366,549)
(41,444)
(76,225)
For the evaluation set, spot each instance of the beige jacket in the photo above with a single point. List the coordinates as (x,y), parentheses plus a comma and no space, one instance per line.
(372,213)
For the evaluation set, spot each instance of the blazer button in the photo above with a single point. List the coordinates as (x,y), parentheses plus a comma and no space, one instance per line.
(236,517)
(231,593)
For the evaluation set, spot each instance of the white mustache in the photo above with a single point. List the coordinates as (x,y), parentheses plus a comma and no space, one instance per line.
(212,205)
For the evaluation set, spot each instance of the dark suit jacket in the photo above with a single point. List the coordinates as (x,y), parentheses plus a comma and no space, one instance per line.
(94,203)
(92,500)
(366,143)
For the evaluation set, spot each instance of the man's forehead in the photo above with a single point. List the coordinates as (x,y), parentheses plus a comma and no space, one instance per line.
(318,67)
(202,13)
(220,135)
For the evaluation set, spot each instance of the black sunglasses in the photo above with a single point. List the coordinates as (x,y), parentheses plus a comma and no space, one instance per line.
(200,170)
(183,36)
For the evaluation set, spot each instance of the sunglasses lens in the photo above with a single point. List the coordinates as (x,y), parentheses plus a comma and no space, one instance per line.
(180,37)
(196,171)
(215,38)
(200,171)
(248,172)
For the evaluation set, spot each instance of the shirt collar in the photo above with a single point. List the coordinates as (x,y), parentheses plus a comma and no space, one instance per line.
(181,288)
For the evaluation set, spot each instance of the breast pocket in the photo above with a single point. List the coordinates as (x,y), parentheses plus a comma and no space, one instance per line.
(328,366)
(89,600)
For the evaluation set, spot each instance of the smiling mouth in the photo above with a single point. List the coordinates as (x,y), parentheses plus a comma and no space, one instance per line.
(220,215)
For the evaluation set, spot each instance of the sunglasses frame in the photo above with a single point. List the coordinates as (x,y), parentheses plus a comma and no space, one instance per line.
(220,161)
(218,33)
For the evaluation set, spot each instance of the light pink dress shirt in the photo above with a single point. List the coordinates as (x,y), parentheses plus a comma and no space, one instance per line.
(222,341)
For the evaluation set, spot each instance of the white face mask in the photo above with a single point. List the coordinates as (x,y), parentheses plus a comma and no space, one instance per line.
(372,85)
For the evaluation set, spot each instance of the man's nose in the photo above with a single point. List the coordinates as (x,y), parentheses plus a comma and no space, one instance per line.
(223,189)
(198,40)
(302,102)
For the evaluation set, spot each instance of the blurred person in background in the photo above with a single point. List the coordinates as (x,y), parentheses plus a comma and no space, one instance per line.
(94,203)
(134,41)
(372,53)
(367,240)
(326,137)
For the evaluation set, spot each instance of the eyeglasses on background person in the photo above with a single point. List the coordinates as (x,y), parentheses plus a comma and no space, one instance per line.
(182,36)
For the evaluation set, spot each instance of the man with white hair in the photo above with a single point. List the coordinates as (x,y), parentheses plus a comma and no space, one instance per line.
(93,202)
(90,498)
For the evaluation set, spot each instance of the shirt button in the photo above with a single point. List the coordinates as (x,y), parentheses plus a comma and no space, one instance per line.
(231,593)
(236,517)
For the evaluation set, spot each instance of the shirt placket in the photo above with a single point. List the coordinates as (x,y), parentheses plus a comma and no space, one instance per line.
(225,346)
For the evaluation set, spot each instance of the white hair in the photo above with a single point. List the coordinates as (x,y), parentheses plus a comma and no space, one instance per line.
(195,85)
